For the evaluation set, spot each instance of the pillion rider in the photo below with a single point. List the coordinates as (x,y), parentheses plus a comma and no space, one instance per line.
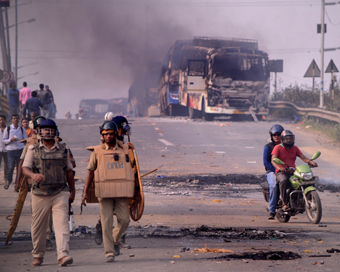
(111,168)
(275,137)
(287,152)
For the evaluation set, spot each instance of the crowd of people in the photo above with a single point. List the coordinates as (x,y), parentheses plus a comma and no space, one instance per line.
(25,101)
(45,166)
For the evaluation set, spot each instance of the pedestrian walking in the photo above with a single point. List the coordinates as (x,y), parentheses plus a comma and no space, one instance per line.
(33,105)
(13,100)
(48,164)
(3,151)
(13,134)
(25,94)
(45,99)
(111,168)
(51,105)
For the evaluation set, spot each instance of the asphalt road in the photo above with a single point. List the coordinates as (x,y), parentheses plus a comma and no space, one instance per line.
(186,149)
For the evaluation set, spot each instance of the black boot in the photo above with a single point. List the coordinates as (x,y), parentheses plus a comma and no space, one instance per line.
(98,238)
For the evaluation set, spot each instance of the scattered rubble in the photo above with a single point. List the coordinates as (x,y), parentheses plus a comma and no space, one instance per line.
(270,255)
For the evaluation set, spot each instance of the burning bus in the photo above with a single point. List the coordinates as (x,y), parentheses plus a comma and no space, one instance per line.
(208,77)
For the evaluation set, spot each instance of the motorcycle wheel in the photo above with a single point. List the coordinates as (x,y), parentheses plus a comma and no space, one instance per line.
(282,218)
(314,212)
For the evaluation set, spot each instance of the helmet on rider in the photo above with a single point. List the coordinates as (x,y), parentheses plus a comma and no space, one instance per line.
(275,130)
(48,130)
(287,138)
(123,123)
(37,120)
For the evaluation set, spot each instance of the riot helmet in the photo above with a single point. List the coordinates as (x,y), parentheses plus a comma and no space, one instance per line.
(287,138)
(108,126)
(48,130)
(275,130)
(123,123)
(37,120)
(109,116)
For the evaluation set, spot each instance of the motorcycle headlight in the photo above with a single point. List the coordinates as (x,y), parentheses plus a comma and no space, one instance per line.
(307,176)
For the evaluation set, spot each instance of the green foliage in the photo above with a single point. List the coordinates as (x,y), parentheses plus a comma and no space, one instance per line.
(304,96)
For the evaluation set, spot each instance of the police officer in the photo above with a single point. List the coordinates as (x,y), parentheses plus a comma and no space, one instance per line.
(52,189)
(28,141)
(110,165)
(123,129)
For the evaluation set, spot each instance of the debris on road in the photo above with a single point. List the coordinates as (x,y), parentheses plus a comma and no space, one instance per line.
(212,250)
(270,255)
(332,250)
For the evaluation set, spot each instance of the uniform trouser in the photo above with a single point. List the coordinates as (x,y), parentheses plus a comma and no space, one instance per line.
(13,158)
(283,180)
(3,156)
(49,229)
(41,208)
(112,237)
(273,192)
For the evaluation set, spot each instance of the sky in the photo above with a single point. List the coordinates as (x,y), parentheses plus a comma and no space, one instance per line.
(96,49)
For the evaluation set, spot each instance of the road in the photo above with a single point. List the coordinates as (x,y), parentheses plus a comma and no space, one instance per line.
(205,169)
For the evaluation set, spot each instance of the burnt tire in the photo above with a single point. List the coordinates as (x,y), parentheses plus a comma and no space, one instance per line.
(282,218)
(313,207)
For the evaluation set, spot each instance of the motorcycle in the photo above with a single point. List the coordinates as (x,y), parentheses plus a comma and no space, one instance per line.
(302,194)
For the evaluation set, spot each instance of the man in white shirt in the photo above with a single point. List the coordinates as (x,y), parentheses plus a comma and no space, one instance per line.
(3,151)
(11,137)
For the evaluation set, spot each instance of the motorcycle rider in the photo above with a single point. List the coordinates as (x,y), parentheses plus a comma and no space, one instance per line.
(275,136)
(287,152)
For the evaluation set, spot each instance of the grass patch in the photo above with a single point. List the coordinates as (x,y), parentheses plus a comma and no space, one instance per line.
(328,128)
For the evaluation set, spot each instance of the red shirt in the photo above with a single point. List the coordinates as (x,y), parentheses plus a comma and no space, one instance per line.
(286,155)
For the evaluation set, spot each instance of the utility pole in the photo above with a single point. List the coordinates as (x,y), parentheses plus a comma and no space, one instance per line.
(16,42)
(8,43)
(322,49)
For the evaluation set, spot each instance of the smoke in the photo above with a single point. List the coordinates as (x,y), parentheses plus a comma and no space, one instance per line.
(93,49)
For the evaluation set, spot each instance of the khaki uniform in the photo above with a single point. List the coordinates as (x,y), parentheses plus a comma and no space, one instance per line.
(31,141)
(114,183)
(50,195)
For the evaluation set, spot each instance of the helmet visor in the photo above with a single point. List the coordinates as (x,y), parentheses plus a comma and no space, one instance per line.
(47,133)
(288,139)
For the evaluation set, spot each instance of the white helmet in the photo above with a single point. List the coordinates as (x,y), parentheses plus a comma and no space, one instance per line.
(109,116)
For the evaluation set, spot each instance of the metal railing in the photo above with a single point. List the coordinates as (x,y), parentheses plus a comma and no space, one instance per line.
(306,112)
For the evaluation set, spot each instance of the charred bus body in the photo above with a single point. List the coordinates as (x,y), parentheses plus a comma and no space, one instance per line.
(209,77)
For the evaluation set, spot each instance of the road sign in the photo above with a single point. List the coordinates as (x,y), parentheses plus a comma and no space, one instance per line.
(313,70)
(275,66)
(331,67)
(6,77)
(318,28)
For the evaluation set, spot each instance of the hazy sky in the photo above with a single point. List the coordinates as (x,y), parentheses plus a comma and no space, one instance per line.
(95,49)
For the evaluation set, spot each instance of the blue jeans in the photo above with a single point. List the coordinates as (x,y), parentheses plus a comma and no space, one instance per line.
(12,110)
(271,178)
(13,158)
(50,110)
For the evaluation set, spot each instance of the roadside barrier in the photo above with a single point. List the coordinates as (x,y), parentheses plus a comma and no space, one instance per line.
(306,112)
